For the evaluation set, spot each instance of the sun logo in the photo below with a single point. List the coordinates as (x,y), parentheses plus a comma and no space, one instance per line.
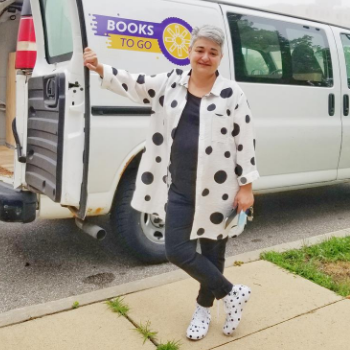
(177,39)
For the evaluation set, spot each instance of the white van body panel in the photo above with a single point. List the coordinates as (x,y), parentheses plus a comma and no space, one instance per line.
(297,141)
(336,12)
(115,139)
(344,161)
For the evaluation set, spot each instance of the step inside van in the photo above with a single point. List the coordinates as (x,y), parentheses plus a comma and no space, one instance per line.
(71,149)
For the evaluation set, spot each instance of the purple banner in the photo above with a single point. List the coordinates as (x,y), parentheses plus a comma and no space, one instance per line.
(105,25)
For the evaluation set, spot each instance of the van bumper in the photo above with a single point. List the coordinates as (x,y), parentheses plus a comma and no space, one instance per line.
(16,205)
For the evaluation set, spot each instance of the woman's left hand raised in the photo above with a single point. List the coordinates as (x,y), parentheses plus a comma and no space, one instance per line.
(244,198)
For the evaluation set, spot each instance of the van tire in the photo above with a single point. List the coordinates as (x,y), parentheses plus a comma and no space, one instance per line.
(126,226)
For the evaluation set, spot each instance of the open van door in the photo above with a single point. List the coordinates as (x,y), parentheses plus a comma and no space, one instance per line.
(57,148)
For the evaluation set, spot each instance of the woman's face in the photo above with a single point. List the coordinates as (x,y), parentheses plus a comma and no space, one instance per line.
(205,56)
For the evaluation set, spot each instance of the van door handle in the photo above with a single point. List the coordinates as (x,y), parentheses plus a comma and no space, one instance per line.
(50,92)
(346,105)
(331,104)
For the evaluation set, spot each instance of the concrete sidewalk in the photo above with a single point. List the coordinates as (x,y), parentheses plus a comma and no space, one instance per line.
(285,312)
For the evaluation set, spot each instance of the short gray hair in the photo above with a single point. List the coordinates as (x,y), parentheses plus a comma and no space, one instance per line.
(209,32)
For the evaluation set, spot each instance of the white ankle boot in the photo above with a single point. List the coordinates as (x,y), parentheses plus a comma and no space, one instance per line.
(233,304)
(199,325)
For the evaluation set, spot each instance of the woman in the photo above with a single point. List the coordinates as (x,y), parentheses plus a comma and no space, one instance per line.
(198,164)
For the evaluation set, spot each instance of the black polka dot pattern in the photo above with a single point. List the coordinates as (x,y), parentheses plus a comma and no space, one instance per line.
(254,143)
(236,130)
(141,79)
(205,192)
(144,150)
(157,139)
(147,178)
(211,107)
(161,100)
(236,106)
(226,93)
(220,176)
(217,150)
(208,150)
(238,170)
(170,73)
(216,218)
(115,71)
(200,232)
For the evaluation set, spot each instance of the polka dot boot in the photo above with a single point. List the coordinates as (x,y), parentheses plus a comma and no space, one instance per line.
(233,304)
(199,325)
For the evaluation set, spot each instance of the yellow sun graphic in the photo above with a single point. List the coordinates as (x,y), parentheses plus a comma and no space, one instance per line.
(176,39)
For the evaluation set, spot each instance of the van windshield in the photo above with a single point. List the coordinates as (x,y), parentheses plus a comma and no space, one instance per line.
(57,29)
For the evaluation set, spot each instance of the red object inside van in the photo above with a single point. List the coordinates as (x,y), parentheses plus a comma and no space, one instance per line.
(26,44)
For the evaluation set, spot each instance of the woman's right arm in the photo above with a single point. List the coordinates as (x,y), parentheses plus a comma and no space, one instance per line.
(137,87)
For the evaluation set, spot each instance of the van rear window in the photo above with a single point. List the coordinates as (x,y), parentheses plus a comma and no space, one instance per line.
(278,52)
(57,29)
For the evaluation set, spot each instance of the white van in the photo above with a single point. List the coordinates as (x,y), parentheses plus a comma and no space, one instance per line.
(78,147)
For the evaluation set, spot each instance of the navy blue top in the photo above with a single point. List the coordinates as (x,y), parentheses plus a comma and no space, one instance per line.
(184,150)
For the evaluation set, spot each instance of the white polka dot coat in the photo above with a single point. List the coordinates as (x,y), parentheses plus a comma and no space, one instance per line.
(226,145)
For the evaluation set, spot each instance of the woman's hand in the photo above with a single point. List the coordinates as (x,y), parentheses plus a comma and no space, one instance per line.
(91,61)
(244,198)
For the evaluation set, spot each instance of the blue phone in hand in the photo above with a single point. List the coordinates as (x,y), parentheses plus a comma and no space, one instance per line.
(242,218)
(230,218)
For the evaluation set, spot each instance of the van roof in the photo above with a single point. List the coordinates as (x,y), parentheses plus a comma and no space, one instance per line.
(333,12)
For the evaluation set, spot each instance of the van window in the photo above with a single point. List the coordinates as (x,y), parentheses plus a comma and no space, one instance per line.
(57,29)
(278,52)
(261,52)
(345,38)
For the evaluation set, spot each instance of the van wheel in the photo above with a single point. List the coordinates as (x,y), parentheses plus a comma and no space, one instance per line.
(140,234)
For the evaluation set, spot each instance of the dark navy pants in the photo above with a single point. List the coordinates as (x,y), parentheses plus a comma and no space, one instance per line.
(206,268)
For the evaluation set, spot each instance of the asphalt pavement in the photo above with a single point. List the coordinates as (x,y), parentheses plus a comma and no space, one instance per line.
(49,260)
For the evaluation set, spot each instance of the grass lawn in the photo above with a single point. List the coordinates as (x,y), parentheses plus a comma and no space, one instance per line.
(327,264)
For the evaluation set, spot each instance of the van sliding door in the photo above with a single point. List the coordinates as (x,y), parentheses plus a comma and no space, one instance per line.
(342,37)
(289,70)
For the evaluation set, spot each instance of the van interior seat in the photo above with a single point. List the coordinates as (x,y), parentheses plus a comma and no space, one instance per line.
(305,64)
